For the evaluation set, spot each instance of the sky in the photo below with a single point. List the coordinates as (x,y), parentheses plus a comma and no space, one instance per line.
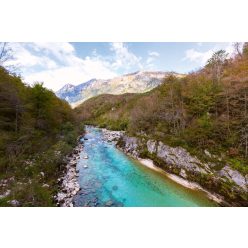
(56,64)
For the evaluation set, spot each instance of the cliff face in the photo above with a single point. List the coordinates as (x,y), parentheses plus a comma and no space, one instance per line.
(227,182)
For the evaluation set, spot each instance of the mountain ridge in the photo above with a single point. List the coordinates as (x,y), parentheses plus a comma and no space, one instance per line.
(136,82)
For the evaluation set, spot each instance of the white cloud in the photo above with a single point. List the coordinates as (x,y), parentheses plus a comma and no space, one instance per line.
(202,57)
(124,58)
(154,54)
(199,57)
(152,57)
(60,64)
(149,60)
(76,74)
(56,64)
(24,58)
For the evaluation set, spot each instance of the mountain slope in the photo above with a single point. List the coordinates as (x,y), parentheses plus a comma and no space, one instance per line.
(37,129)
(205,113)
(137,82)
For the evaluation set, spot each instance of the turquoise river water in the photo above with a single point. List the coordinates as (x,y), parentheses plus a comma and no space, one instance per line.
(110,178)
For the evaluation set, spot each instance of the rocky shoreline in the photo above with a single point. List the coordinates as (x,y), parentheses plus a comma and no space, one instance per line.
(177,164)
(184,169)
(69,185)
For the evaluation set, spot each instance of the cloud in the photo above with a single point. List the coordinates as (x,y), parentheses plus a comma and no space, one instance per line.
(82,72)
(196,56)
(58,64)
(154,54)
(123,58)
(151,58)
(24,58)
(202,57)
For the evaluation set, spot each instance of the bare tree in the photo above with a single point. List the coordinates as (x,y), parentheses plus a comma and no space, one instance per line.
(5,53)
(238,48)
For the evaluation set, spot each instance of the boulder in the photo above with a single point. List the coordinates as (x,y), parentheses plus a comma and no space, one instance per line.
(14,203)
(235,176)
(109,203)
(151,146)
(180,158)
(45,186)
(183,173)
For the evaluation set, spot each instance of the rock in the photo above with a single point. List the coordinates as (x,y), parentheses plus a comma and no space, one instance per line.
(130,146)
(207,153)
(235,176)
(45,186)
(61,196)
(5,194)
(180,158)
(109,203)
(152,146)
(42,173)
(183,173)
(14,203)
(111,136)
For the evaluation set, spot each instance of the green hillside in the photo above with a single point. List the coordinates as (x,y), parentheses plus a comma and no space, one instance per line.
(36,130)
(206,110)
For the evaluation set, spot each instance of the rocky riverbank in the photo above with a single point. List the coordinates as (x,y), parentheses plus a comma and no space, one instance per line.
(69,185)
(224,185)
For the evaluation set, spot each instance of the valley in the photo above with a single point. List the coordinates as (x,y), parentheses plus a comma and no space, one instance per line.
(55,149)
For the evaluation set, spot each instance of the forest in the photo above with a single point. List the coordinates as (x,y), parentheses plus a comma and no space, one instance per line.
(205,112)
(37,130)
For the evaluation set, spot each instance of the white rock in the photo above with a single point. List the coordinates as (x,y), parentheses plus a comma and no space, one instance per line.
(14,203)
(183,173)
(207,153)
(234,176)
(45,186)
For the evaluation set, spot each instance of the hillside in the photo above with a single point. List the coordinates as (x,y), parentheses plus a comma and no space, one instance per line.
(204,112)
(37,130)
(137,82)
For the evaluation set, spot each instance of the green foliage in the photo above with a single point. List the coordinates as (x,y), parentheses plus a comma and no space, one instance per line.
(207,109)
(202,97)
(37,131)
(239,165)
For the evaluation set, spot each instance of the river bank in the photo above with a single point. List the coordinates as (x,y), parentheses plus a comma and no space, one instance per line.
(69,185)
(111,178)
(114,136)
(186,170)
(183,169)
(191,185)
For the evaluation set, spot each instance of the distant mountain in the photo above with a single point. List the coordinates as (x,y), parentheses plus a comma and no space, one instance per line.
(137,82)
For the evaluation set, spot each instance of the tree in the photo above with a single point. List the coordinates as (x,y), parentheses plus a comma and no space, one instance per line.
(245,50)
(216,63)
(5,53)
(238,48)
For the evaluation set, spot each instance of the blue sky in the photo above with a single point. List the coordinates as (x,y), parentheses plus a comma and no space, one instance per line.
(57,64)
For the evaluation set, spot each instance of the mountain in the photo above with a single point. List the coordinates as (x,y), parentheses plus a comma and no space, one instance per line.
(204,114)
(137,82)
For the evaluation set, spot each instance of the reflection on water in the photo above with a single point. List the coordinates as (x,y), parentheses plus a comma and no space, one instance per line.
(109,178)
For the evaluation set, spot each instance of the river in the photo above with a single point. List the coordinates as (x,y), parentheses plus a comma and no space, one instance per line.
(108,177)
